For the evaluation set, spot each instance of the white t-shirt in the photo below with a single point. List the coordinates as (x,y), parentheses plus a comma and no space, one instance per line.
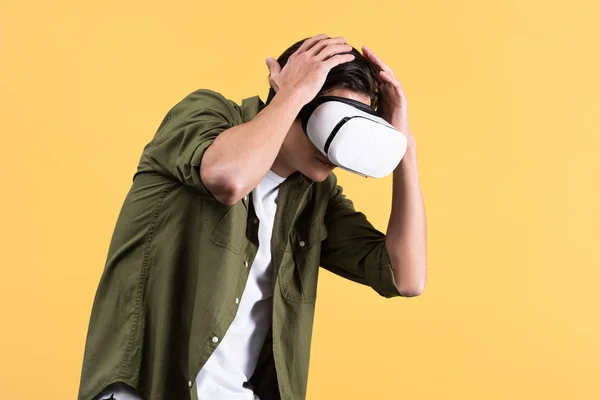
(233,362)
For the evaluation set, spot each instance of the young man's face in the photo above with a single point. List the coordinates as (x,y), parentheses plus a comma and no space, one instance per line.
(298,153)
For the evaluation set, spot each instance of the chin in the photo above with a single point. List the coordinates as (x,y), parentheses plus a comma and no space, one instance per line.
(316,170)
(319,175)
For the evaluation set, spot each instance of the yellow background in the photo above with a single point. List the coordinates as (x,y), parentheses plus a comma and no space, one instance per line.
(503,102)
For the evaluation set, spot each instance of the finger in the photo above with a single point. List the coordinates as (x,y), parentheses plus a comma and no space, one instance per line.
(378,71)
(332,50)
(380,81)
(308,43)
(377,61)
(395,83)
(389,79)
(317,48)
(273,65)
(386,76)
(337,59)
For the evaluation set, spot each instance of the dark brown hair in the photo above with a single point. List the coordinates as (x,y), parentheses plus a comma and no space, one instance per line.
(358,75)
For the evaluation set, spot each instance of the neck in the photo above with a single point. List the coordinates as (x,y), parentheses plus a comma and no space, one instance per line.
(280,167)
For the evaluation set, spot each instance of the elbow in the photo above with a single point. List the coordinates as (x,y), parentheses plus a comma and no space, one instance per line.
(225,198)
(223,189)
(233,191)
(410,277)
(412,289)
(227,193)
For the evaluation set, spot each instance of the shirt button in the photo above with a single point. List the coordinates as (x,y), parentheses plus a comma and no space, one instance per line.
(246,263)
(246,198)
(190,383)
(237,300)
(215,339)
(302,243)
(255,220)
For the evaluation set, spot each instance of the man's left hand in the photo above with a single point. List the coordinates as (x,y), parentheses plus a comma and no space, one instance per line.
(393,104)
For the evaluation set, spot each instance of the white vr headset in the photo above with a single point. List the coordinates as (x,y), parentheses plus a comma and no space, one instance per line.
(352,136)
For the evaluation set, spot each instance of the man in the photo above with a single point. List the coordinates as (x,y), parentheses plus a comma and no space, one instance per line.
(210,283)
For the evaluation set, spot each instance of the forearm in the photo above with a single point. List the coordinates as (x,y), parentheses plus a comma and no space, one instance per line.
(240,156)
(406,233)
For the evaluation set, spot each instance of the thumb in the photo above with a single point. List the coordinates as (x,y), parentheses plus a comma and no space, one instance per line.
(273,65)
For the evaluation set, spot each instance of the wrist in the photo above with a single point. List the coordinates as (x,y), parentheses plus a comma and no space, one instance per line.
(409,158)
(292,97)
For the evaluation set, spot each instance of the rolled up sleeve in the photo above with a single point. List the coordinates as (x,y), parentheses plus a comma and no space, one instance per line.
(185,133)
(354,248)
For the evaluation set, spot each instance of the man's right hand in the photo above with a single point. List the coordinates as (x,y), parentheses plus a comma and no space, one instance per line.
(306,70)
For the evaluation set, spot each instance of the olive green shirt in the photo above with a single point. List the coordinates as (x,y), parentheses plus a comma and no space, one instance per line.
(178,258)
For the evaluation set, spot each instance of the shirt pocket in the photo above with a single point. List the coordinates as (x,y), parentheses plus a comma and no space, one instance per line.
(229,231)
(300,267)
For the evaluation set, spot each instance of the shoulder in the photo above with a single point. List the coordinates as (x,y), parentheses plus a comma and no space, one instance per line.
(209,102)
